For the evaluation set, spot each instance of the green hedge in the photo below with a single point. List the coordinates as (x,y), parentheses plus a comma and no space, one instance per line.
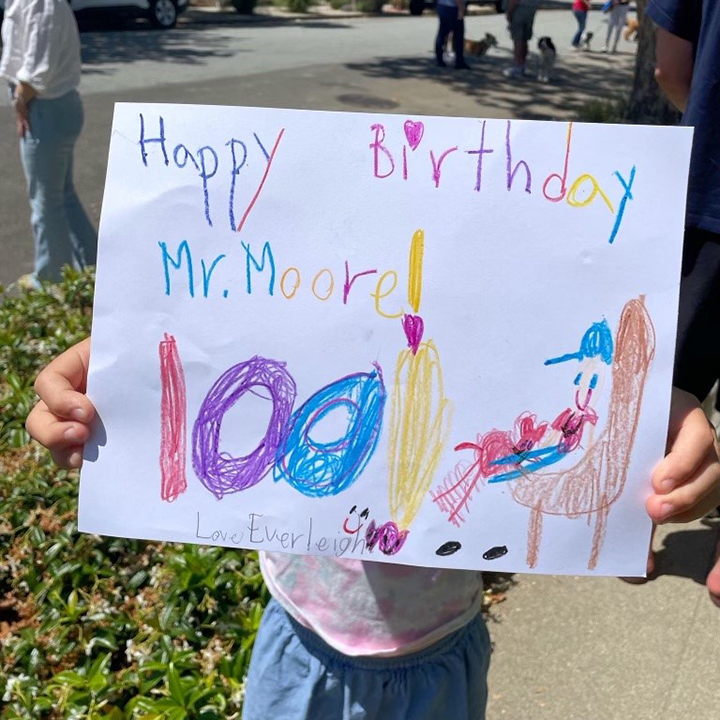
(98,627)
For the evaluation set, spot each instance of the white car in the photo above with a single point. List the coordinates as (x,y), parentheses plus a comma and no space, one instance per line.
(161,13)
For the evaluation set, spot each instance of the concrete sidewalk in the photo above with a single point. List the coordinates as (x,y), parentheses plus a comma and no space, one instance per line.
(570,648)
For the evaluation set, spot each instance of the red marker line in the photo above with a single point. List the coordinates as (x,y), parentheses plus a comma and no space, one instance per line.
(173,421)
(262,182)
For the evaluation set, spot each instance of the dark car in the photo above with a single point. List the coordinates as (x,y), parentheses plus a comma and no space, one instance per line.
(161,13)
(417,6)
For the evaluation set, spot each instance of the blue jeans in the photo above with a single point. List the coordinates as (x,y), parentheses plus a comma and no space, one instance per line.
(295,675)
(449,23)
(581,17)
(63,232)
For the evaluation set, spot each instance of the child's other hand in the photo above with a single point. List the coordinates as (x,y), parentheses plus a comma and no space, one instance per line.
(686,482)
(60,420)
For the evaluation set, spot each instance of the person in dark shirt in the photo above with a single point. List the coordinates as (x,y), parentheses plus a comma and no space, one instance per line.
(688,70)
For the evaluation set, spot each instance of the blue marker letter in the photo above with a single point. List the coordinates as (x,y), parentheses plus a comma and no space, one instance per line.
(176,264)
(206,176)
(267,250)
(144,141)
(627,196)
(235,170)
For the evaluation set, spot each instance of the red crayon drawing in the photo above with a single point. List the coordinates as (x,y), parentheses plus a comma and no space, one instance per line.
(262,182)
(173,421)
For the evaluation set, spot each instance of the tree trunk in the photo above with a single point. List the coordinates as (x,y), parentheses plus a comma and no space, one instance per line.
(647,103)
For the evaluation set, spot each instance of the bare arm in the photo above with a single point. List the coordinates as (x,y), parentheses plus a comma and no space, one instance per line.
(674,67)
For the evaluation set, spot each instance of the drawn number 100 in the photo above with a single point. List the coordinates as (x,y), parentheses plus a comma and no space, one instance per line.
(315,469)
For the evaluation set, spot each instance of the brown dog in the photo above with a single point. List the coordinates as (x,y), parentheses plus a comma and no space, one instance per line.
(632,29)
(478,48)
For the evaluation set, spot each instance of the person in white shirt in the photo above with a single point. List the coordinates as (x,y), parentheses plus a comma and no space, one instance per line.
(41,62)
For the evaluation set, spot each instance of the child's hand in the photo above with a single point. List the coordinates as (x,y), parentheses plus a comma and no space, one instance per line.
(60,421)
(687,480)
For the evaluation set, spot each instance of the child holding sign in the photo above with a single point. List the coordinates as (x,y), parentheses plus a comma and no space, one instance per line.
(348,639)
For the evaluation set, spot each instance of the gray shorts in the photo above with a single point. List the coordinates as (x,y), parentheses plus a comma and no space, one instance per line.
(521,27)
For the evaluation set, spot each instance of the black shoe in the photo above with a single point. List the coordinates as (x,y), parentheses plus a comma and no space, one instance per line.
(462,66)
(441,63)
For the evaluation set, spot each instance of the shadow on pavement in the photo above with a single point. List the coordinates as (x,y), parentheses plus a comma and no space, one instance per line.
(577,78)
(688,554)
(132,42)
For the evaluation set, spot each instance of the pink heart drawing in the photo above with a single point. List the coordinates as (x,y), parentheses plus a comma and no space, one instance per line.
(414,133)
(414,327)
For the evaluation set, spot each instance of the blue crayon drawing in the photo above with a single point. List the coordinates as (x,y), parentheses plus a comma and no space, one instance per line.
(318,469)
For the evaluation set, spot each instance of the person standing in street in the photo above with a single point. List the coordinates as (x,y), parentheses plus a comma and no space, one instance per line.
(520,16)
(41,61)
(616,23)
(451,16)
(580,9)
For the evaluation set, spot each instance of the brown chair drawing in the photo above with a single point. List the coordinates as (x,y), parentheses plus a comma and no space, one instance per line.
(596,481)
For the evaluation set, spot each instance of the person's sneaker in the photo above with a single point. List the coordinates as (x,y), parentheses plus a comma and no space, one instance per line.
(514,72)
(462,66)
(441,63)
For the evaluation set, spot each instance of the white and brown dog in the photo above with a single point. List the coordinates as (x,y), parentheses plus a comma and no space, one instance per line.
(548,55)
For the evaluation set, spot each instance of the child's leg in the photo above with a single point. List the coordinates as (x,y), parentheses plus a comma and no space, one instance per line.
(294,675)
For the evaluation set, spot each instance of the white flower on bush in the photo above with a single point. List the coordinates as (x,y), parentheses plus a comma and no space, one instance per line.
(211,655)
(12,681)
(238,694)
(136,653)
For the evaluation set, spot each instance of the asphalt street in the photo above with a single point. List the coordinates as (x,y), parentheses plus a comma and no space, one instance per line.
(357,64)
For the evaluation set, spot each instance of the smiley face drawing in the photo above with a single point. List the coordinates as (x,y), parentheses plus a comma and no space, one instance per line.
(361,517)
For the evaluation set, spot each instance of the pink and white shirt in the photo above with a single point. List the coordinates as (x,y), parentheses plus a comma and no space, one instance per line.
(372,608)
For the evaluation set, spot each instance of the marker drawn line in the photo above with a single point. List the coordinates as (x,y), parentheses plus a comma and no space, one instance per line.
(262,182)
(173,421)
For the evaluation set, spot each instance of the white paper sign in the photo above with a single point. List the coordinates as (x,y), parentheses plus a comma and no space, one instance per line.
(426,340)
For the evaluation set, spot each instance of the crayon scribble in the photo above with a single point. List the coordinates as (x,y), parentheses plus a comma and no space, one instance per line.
(173,421)
(419,411)
(218,471)
(318,469)
(388,537)
(419,423)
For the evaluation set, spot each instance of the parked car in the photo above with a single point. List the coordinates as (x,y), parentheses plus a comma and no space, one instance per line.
(161,13)
(416,7)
